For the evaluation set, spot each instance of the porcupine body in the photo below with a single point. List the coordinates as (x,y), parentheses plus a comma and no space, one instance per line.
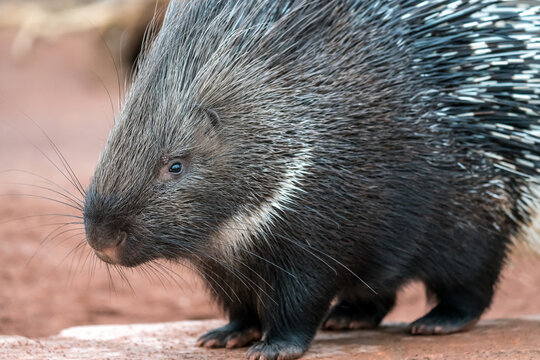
(298,151)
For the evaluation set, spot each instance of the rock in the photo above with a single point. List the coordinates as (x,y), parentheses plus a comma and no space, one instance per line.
(491,339)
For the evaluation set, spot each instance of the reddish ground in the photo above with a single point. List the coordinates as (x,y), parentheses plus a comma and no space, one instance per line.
(50,287)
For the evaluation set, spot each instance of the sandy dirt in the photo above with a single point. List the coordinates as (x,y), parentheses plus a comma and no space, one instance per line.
(508,339)
(47,285)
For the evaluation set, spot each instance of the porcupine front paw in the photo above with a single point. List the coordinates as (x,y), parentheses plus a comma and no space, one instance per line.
(232,335)
(276,350)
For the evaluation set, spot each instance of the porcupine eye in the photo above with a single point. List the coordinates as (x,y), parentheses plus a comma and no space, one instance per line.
(176,168)
(173,170)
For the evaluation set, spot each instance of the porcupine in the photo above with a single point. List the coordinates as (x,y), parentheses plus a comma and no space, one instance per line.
(297,152)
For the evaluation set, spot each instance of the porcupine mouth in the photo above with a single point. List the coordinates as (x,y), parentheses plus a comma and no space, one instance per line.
(126,253)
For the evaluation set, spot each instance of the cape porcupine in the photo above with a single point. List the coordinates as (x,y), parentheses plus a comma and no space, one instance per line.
(298,151)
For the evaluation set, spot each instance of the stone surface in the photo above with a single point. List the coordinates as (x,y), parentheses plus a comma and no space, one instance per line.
(491,339)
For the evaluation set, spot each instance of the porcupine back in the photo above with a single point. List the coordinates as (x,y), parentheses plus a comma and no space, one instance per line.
(484,61)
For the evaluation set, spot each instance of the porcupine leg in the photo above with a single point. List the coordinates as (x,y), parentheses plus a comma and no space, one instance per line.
(351,313)
(460,305)
(463,282)
(243,329)
(454,313)
(290,322)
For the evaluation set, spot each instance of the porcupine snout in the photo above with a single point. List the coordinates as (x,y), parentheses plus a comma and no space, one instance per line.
(108,244)
(106,237)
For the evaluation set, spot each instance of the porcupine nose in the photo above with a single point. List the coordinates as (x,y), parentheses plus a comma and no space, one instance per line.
(104,232)
(108,242)
(112,254)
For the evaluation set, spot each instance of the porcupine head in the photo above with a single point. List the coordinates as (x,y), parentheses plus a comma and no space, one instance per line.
(193,149)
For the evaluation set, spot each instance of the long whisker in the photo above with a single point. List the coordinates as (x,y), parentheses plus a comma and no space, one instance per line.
(331,258)
(88,255)
(310,250)
(215,281)
(46,180)
(161,277)
(80,254)
(111,281)
(268,261)
(71,181)
(72,254)
(113,61)
(80,233)
(142,270)
(39,215)
(169,271)
(93,267)
(42,241)
(68,198)
(43,198)
(66,165)
(108,93)
(123,276)
(241,276)
(194,269)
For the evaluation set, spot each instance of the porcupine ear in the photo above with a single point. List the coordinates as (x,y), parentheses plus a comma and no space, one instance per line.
(212,116)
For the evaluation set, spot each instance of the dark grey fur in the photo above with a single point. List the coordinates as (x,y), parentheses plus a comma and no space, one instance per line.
(329,149)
